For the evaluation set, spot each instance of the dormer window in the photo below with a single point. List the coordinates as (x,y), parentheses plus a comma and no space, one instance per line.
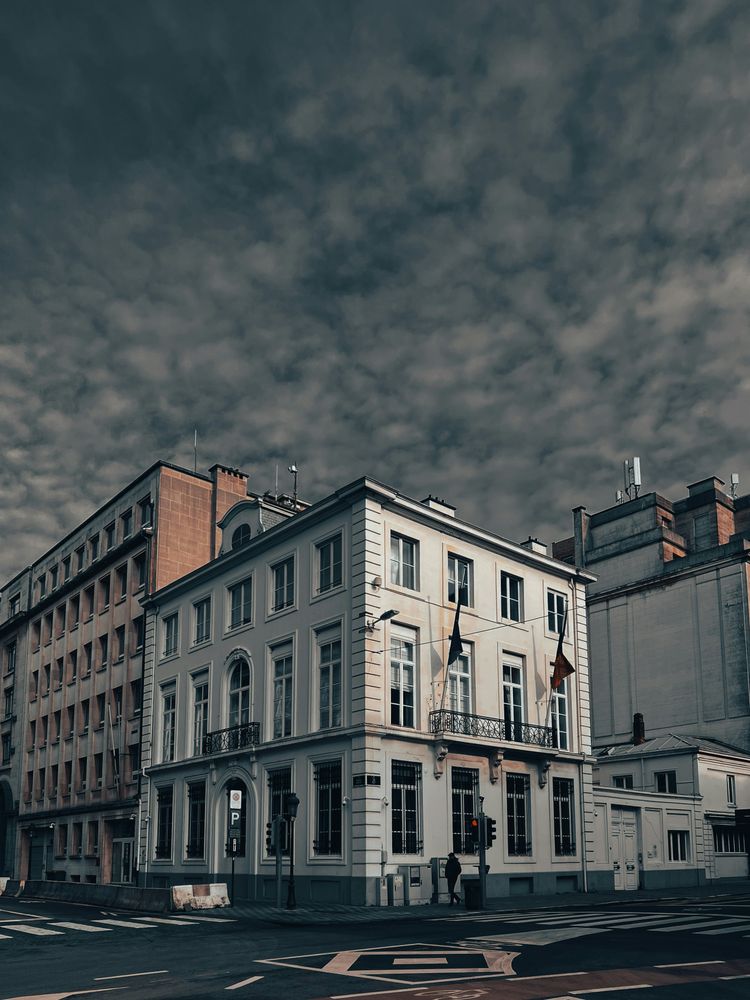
(241,536)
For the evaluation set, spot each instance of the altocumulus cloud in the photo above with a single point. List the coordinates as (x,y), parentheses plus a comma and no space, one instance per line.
(481,250)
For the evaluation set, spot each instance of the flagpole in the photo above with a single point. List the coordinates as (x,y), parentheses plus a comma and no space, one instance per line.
(551,689)
(448,657)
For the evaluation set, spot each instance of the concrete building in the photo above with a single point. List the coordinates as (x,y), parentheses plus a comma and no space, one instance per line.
(668,613)
(665,813)
(76,624)
(309,657)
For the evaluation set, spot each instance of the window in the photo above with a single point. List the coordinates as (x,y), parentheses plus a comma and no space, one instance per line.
(196,819)
(56,723)
(283,584)
(241,536)
(126,523)
(169,627)
(279,787)
(563,809)
(82,774)
(164,815)
(59,674)
(92,840)
(146,510)
(622,781)
(729,840)
(8,707)
(75,607)
(666,781)
(109,536)
(101,709)
(115,763)
(731,790)
(239,693)
(72,666)
(200,713)
(70,722)
(53,574)
(42,781)
(559,716)
(240,603)
(406,807)
(46,670)
(168,721)
(403,666)
(77,838)
(122,582)
(66,569)
(464,807)
(84,716)
(67,778)
(139,570)
(34,686)
(80,558)
(104,594)
(460,682)
(135,696)
(62,840)
(202,619)
(99,769)
(330,566)
(679,845)
(53,773)
(119,643)
(36,634)
(14,605)
(116,705)
(59,621)
(460,580)
(88,603)
(513,697)
(48,628)
(281,658)
(94,548)
(138,628)
(32,734)
(43,724)
(6,748)
(10,657)
(403,562)
(555,611)
(327,808)
(103,651)
(518,802)
(328,644)
(42,585)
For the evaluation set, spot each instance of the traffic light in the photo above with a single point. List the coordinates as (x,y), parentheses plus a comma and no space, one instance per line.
(270,845)
(474,829)
(490,831)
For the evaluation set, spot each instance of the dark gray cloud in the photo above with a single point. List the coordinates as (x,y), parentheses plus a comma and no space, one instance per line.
(481,250)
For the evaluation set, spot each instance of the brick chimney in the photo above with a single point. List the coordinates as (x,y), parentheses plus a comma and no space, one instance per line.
(229,486)
(639,730)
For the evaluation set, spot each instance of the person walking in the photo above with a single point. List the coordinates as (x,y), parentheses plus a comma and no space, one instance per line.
(452,871)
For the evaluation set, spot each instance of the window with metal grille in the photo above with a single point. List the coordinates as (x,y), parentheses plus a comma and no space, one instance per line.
(164,814)
(406,807)
(679,845)
(563,810)
(464,792)
(279,787)
(460,682)
(328,808)
(729,840)
(196,845)
(518,795)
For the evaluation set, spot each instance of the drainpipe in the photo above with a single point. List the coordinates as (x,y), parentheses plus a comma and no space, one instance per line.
(148,533)
(584,862)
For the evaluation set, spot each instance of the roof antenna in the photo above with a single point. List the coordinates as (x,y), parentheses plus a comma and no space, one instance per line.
(294,471)
(276,487)
(735,480)
(632,477)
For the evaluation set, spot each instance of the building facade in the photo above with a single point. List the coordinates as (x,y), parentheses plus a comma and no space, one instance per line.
(669,618)
(310,657)
(79,666)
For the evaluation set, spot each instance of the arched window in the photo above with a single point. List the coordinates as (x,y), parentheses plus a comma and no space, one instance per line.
(241,536)
(236,785)
(239,693)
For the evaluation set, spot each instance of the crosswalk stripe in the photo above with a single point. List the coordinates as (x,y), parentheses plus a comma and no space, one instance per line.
(122,923)
(69,925)
(28,929)
(728,930)
(208,920)
(676,928)
(172,921)
(679,921)
(7,937)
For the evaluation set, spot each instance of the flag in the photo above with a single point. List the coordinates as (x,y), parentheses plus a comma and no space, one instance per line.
(457,647)
(563,666)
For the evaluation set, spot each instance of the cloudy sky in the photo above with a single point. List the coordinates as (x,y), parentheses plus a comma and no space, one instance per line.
(483,250)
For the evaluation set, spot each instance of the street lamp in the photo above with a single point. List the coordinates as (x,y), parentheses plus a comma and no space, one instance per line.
(292,805)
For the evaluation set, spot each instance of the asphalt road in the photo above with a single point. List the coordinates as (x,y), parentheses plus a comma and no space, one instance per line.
(676,948)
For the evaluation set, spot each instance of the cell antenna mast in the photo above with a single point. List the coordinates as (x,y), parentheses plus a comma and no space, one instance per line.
(294,471)
(632,475)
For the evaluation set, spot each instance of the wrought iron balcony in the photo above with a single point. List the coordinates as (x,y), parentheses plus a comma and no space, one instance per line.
(233,738)
(485,727)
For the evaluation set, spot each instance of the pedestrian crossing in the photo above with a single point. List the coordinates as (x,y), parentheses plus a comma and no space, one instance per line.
(661,922)
(43,927)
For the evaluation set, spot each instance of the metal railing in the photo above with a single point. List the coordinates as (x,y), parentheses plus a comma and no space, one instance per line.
(233,738)
(463,724)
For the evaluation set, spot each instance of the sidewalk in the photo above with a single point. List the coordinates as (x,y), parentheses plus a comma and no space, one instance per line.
(339,913)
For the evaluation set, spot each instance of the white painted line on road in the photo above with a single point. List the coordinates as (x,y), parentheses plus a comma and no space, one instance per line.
(245,982)
(734,929)
(208,920)
(6,937)
(174,921)
(549,975)
(28,929)
(614,989)
(700,922)
(123,923)
(130,975)
(69,925)
(746,976)
(676,922)
(688,965)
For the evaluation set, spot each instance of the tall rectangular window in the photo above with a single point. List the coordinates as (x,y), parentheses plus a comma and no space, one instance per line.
(460,682)
(139,570)
(513,715)
(80,558)
(403,561)
(241,603)
(10,657)
(464,807)
(169,626)
(119,643)
(8,703)
(460,582)
(196,845)
(281,659)
(330,566)
(138,633)
(731,790)
(328,644)
(116,705)
(563,813)
(126,523)
(104,593)
(518,810)
(168,721)
(666,781)
(406,807)
(279,787)
(202,620)
(200,713)
(559,716)
(121,574)
(555,611)
(109,536)
(283,584)
(511,597)
(164,821)
(328,808)
(679,845)
(403,673)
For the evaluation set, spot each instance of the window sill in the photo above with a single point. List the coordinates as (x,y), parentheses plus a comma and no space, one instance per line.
(101,668)
(201,643)
(138,651)
(72,681)
(103,609)
(321,595)
(280,612)
(172,655)
(236,629)
(74,626)
(121,599)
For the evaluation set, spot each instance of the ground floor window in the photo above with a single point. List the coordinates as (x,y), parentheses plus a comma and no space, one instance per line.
(164,814)
(279,787)
(328,808)
(406,807)
(563,810)
(464,807)
(679,845)
(729,840)
(196,845)
(518,808)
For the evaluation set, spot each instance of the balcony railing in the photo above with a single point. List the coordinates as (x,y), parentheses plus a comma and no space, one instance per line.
(233,738)
(462,724)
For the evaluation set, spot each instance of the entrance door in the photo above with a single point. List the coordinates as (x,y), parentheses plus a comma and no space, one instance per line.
(122,860)
(623,848)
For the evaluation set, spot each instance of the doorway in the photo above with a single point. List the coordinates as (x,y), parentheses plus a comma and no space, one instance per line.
(122,860)
(623,848)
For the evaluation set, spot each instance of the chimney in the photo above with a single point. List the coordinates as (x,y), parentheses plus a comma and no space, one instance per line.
(580,534)
(639,730)
(534,545)
(440,505)
(229,486)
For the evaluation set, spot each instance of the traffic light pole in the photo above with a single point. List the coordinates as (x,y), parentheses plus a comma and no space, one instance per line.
(278,829)
(482,856)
